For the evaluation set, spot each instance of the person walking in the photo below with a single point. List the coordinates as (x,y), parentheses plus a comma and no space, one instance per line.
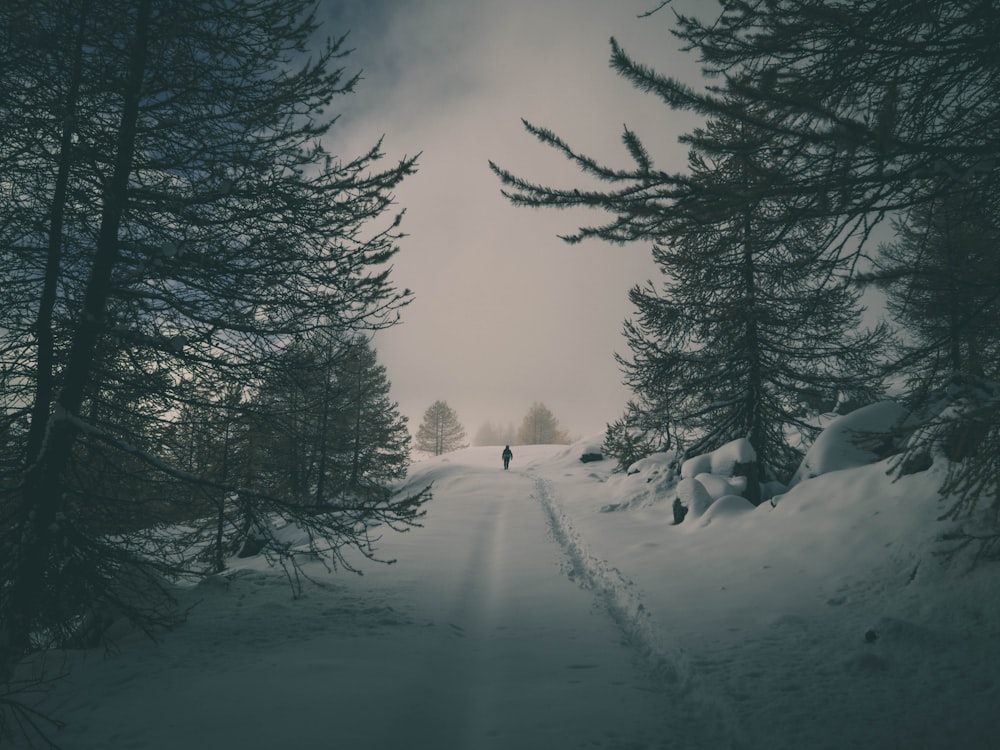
(507,455)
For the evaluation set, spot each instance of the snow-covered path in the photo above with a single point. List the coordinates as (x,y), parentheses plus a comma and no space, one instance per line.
(481,636)
(532,611)
(516,654)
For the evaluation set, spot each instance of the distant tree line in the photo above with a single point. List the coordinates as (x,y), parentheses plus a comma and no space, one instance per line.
(822,122)
(190,279)
(539,426)
(440,431)
(490,433)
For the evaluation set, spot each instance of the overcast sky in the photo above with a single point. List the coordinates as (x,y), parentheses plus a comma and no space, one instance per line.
(505,313)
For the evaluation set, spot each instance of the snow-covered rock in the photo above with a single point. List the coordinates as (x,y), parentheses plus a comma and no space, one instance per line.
(719,486)
(694,497)
(709,476)
(720,461)
(842,444)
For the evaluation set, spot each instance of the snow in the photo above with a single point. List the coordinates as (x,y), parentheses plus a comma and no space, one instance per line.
(842,444)
(726,506)
(720,461)
(523,614)
(719,486)
(694,496)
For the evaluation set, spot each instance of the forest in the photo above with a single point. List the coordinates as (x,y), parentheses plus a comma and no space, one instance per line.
(191,284)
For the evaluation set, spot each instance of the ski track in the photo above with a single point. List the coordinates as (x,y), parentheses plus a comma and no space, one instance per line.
(617,594)
(717,725)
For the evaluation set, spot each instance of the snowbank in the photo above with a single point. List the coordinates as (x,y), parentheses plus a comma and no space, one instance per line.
(826,621)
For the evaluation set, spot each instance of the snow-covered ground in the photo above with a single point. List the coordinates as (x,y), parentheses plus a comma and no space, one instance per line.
(557,606)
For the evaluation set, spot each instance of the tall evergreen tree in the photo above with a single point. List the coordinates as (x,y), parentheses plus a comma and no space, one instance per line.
(170,220)
(440,431)
(886,105)
(377,445)
(753,315)
(942,278)
(896,106)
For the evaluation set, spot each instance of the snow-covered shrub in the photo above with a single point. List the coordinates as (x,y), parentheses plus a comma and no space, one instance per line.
(633,437)
(648,481)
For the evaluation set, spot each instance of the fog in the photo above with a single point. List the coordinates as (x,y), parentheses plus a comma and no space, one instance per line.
(505,313)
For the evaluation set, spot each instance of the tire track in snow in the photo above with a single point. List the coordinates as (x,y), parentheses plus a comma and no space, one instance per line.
(618,595)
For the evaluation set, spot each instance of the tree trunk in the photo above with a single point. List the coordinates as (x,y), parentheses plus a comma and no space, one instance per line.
(755,427)
(45,357)
(43,494)
(324,447)
(358,412)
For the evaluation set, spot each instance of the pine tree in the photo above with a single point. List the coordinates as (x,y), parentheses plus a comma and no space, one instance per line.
(753,315)
(170,221)
(942,278)
(440,431)
(328,426)
(377,438)
(896,108)
(540,427)
(941,275)
(885,107)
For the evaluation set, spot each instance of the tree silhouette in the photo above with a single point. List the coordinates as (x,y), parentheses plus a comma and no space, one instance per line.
(540,427)
(170,222)
(440,431)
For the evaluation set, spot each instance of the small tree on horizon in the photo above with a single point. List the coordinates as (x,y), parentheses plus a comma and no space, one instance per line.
(440,431)
(540,427)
